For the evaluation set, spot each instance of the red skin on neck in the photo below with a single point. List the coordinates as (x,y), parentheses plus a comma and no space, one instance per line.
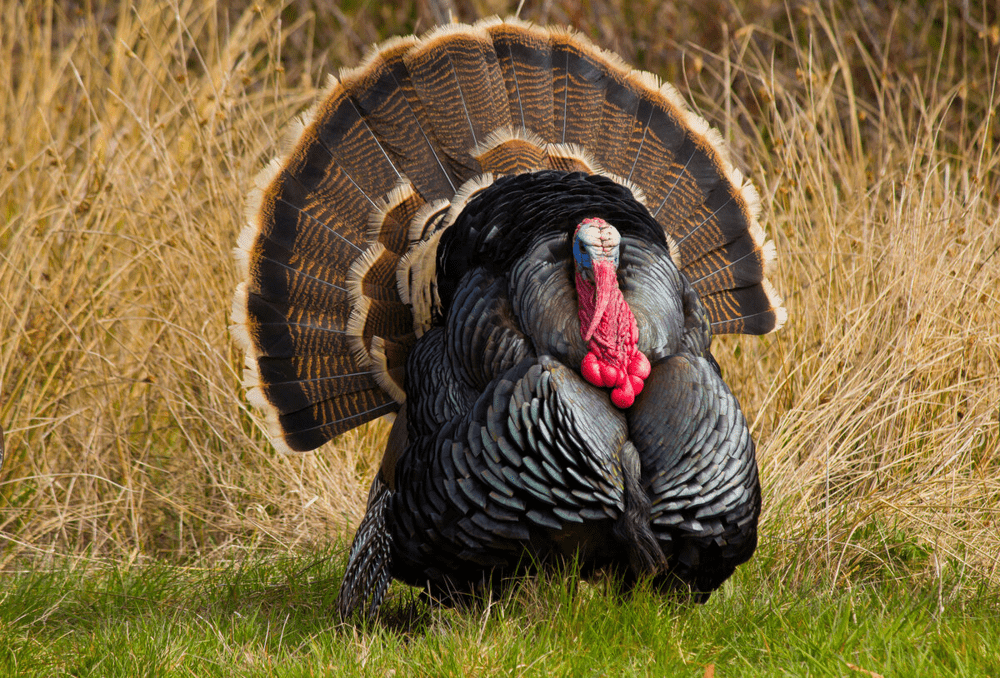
(614,361)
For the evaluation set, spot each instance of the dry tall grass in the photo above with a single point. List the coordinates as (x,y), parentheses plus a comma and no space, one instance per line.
(132,131)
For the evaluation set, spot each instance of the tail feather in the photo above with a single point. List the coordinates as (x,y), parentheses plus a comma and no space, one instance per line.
(389,364)
(690,182)
(282,331)
(747,310)
(295,216)
(310,427)
(456,73)
(290,390)
(373,318)
(658,161)
(578,83)
(373,276)
(619,136)
(572,158)
(384,94)
(390,224)
(283,276)
(344,135)
(734,265)
(524,53)
(334,176)
(511,151)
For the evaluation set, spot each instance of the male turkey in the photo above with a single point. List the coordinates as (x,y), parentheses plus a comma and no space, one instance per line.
(521,247)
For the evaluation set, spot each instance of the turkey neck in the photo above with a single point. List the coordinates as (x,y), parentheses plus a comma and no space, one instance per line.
(609,322)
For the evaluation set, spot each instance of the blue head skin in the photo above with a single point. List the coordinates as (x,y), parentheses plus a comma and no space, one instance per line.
(595,240)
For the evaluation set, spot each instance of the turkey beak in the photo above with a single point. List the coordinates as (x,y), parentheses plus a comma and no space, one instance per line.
(605,280)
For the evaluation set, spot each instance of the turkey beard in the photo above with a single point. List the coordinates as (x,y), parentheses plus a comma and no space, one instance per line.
(609,328)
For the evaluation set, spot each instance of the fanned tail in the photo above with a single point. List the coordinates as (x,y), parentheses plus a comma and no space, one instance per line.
(338,257)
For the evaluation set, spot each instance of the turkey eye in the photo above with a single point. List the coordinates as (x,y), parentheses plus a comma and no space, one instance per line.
(582,254)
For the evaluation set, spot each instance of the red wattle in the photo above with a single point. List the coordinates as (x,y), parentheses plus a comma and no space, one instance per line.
(637,383)
(612,335)
(623,396)
(605,286)
(639,366)
(610,375)
(590,368)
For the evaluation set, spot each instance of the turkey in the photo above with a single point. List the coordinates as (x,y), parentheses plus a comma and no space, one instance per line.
(520,248)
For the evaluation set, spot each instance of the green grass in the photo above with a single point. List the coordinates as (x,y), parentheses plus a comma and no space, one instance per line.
(275,615)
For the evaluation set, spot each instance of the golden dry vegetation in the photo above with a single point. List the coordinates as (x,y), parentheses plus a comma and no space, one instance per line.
(132,132)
